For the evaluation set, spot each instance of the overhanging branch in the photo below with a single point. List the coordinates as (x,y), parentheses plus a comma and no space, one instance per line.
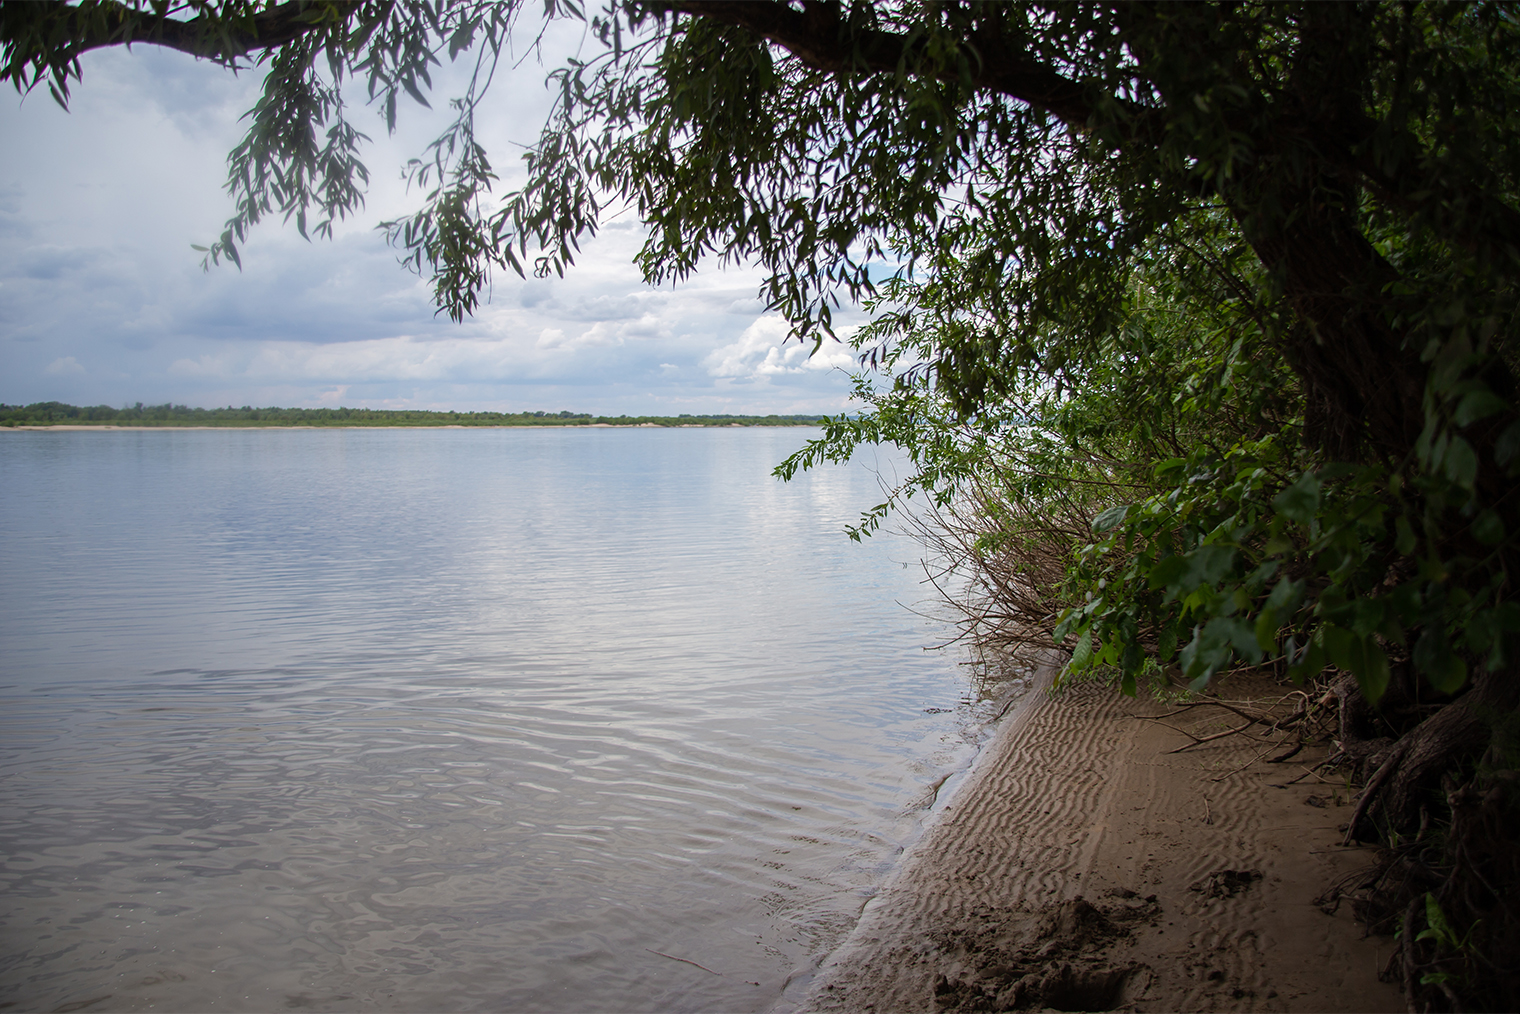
(819,37)
(109,23)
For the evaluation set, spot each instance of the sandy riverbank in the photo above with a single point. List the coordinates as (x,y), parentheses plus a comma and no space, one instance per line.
(1084,866)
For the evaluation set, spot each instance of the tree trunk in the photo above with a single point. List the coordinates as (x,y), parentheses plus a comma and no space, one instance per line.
(1409,774)
(1364,388)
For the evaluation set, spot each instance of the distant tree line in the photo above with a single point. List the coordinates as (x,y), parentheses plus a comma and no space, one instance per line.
(55,413)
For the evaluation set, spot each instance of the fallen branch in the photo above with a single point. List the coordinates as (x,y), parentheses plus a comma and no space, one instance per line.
(1308,772)
(688,961)
(1287,756)
(1254,719)
(1253,760)
(1207,739)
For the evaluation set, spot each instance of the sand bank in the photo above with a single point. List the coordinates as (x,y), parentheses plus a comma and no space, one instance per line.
(1083,866)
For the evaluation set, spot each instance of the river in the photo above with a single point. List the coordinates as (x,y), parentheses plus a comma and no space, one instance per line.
(441,719)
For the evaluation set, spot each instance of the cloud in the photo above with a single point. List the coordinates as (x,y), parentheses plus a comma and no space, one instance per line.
(50,262)
(99,207)
(762,351)
(68,366)
(403,358)
(599,307)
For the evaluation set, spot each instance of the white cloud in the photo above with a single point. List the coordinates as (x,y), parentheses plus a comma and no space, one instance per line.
(403,358)
(600,307)
(65,367)
(762,351)
(99,206)
(606,334)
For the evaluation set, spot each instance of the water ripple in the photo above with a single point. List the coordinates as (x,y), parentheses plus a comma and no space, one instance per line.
(352,720)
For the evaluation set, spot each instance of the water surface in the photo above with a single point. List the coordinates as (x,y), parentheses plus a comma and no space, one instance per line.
(449,719)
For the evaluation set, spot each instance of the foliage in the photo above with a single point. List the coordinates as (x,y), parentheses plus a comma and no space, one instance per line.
(1236,519)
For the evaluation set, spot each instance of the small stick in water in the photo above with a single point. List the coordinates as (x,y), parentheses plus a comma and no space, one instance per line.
(672,957)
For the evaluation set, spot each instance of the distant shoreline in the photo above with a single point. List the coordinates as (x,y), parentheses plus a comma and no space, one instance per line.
(53,415)
(107,427)
(50,415)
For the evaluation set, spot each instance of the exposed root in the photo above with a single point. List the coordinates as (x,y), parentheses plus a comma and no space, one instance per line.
(1448,876)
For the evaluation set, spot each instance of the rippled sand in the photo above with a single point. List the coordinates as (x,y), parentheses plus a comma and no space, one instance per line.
(1085,866)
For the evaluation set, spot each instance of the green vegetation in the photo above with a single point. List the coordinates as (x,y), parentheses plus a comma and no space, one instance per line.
(53,413)
(1200,321)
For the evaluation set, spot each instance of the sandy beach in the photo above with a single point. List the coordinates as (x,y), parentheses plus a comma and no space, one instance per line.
(1084,865)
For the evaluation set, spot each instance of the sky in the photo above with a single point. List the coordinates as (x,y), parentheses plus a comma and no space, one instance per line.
(103,300)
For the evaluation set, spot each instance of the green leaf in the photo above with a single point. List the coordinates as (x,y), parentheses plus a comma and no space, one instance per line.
(1188,656)
(1309,663)
(1461,463)
(1300,501)
(1082,654)
(1372,672)
(1360,655)
(1404,540)
(1479,404)
(1508,444)
(1261,575)
(1166,643)
(1286,595)
(1340,646)
(1368,615)
(1405,601)
(1266,630)
(1443,668)
(1110,519)
(1133,659)
(1439,929)
(1493,630)
(1168,467)
(1165,573)
(1206,565)
(1242,637)
(1213,645)
(1488,528)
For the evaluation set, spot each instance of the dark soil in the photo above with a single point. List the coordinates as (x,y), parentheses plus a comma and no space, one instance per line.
(1011,960)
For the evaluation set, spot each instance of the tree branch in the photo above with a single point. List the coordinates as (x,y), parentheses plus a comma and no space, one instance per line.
(110,23)
(821,39)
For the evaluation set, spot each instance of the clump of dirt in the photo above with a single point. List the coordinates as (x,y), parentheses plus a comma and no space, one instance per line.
(1225,883)
(1051,958)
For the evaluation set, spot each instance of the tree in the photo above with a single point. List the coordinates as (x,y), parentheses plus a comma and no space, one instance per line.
(1302,218)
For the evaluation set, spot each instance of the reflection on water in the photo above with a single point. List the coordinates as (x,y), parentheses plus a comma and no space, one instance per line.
(447,720)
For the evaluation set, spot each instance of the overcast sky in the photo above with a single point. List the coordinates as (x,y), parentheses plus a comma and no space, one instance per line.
(103,301)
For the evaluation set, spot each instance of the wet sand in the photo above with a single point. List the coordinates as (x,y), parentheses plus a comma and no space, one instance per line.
(1083,865)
